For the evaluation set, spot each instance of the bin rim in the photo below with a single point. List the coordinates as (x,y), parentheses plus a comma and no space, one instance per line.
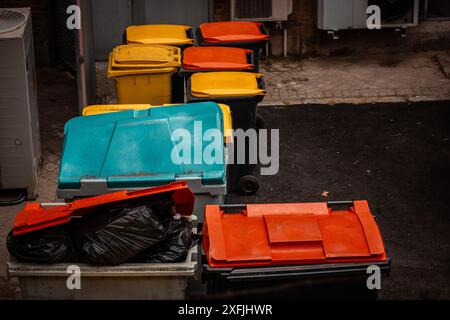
(97,109)
(186,268)
(179,35)
(35,217)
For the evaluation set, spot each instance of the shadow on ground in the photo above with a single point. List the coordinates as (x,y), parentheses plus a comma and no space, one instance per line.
(397,156)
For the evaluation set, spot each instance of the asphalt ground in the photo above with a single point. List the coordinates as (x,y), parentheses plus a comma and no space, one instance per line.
(396,156)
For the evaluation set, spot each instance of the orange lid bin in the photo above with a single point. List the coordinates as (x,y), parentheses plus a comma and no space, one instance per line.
(37,217)
(217,58)
(291,234)
(232,31)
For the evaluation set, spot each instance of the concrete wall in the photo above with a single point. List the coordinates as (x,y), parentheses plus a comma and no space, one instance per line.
(305,39)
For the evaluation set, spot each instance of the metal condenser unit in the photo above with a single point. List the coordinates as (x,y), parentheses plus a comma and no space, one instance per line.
(20,149)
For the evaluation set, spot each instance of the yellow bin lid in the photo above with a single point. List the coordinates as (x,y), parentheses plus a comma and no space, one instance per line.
(109,108)
(119,72)
(146,56)
(226,84)
(169,34)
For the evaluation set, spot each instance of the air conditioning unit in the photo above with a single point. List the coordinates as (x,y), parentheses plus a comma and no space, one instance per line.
(20,149)
(261,10)
(335,15)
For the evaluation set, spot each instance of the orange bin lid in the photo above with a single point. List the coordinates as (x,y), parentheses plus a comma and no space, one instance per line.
(232,31)
(291,234)
(217,58)
(37,217)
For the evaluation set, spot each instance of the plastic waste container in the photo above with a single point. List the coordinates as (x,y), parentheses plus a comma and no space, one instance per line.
(209,59)
(240,34)
(109,108)
(166,34)
(314,250)
(138,281)
(242,91)
(204,59)
(138,149)
(143,73)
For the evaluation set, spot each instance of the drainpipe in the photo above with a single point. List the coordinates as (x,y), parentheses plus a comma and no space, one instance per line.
(285,41)
(82,71)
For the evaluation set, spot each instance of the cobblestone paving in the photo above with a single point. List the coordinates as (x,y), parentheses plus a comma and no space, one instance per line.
(355,79)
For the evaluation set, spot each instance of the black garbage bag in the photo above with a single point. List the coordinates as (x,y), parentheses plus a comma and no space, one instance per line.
(117,233)
(52,245)
(163,206)
(174,248)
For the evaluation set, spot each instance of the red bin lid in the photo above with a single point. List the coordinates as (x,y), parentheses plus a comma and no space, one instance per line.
(232,31)
(37,217)
(217,58)
(291,234)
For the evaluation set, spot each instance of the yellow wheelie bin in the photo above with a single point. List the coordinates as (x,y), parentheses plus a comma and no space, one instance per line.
(166,34)
(143,73)
(241,91)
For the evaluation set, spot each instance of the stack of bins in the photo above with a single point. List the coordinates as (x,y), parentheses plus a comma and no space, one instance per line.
(172,35)
(143,73)
(138,149)
(238,34)
(293,250)
(242,91)
(137,281)
(212,59)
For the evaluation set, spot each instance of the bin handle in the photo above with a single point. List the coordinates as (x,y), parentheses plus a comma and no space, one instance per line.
(231,208)
(227,207)
(190,33)
(251,59)
(263,29)
(273,273)
(262,83)
(339,203)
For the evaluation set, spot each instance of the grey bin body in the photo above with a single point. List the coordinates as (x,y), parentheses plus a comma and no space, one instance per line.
(144,281)
(20,148)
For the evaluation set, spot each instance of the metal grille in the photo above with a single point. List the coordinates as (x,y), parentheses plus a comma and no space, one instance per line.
(66,38)
(10,20)
(252,9)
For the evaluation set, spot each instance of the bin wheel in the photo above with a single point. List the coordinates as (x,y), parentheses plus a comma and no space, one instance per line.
(248,185)
(260,123)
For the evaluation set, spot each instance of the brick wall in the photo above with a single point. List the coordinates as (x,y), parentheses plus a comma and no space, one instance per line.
(222,10)
(43,28)
(301,26)
(305,39)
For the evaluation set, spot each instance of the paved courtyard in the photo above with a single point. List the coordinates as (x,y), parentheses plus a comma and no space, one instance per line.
(357,79)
